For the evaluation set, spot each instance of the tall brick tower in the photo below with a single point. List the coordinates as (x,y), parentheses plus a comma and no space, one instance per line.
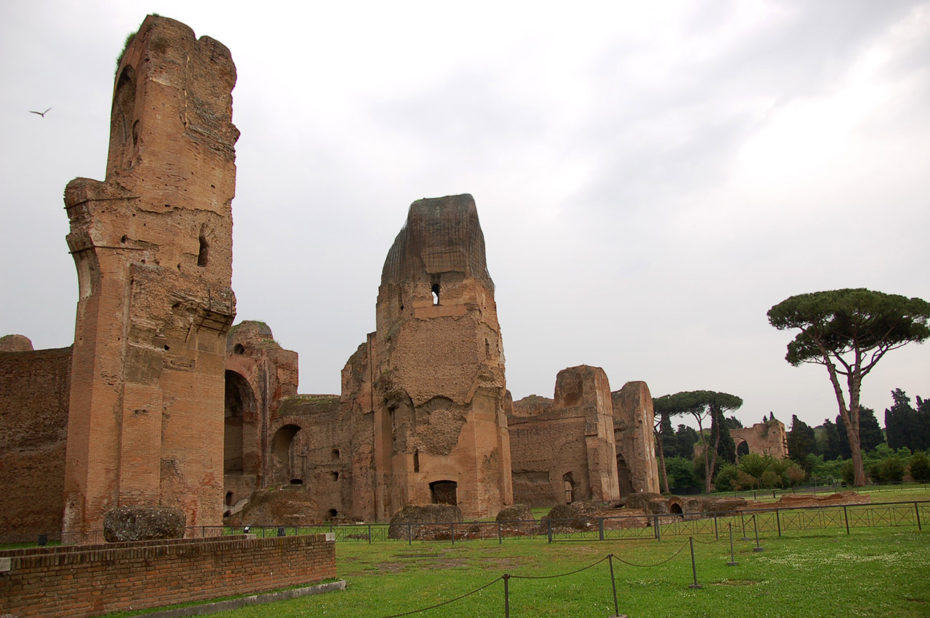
(152,245)
(438,368)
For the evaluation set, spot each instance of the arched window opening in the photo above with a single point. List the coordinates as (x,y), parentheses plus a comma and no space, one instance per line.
(229,497)
(335,454)
(334,475)
(742,449)
(238,349)
(443,492)
(675,508)
(435,291)
(297,481)
(333,513)
(416,460)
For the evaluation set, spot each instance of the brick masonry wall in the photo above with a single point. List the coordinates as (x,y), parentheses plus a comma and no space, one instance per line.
(33,427)
(86,580)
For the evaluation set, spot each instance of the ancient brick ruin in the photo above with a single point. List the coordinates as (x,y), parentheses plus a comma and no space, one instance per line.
(584,444)
(766,438)
(435,368)
(152,245)
(161,402)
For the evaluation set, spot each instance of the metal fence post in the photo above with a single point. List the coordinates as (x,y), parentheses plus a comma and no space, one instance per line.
(695,585)
(658,528)
(549,534)
(917,512)
(409,535)
(452,531)
(369,534)
(600,528)
(846,517)
(756,527)
(500,534)
(778,522)
(506,578)
(613,583)
(732,561)
(716,532)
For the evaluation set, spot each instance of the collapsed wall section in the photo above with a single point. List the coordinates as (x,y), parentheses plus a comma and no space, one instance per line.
(562,449)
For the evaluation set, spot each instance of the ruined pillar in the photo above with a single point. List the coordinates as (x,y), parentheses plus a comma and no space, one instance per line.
(152,245)
(438,368)
(635,439)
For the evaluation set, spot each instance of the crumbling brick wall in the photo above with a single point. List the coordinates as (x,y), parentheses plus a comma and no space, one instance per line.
(34,388)
(97,579)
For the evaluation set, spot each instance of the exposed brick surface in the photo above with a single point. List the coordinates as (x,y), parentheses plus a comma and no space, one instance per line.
(94,579)
(33,428)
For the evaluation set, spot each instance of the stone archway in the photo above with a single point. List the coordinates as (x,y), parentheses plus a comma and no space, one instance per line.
(284,467)
(742,448)
(240,403)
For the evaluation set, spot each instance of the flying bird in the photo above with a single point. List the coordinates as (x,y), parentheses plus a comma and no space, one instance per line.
(40,113)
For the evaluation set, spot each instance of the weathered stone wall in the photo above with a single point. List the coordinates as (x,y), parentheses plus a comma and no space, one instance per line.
(637,469)
(563,449)
(34,388)
(768,438)
(91,580)
(152,246)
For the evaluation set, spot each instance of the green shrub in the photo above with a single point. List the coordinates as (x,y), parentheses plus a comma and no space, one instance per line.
(920,467)
(680,473)
(726,479)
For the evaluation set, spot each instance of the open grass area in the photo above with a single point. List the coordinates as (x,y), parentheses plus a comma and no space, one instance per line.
(872,572)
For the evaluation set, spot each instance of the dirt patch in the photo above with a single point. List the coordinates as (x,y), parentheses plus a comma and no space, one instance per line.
(845,497)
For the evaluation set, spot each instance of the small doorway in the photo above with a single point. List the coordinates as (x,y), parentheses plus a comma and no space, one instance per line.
(568,487)
(443,492)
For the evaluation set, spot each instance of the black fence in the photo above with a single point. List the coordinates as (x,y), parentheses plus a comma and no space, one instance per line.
(770,520)
(767,521)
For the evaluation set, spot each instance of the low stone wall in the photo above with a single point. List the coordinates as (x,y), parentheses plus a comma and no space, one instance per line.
(85,580)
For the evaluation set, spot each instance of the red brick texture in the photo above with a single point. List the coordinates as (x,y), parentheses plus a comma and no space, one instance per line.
(86,580)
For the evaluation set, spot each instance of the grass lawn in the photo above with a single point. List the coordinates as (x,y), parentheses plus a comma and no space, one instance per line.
(875,572)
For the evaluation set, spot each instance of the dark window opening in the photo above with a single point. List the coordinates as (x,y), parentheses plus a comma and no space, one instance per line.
(239,349)
(416,460)
(674,508)
(334,475)
(297,481)
(229,496)
(333,513)
(204,249)
(335,453)
(443,492)
(435,293)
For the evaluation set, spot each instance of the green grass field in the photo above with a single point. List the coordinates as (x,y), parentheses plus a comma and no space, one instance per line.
(875,572)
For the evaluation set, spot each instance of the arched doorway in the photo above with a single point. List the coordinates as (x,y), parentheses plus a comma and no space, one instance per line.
(284,465)
(443,492)
(240,402)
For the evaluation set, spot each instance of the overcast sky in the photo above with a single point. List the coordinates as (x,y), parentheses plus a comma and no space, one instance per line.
(650,177)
